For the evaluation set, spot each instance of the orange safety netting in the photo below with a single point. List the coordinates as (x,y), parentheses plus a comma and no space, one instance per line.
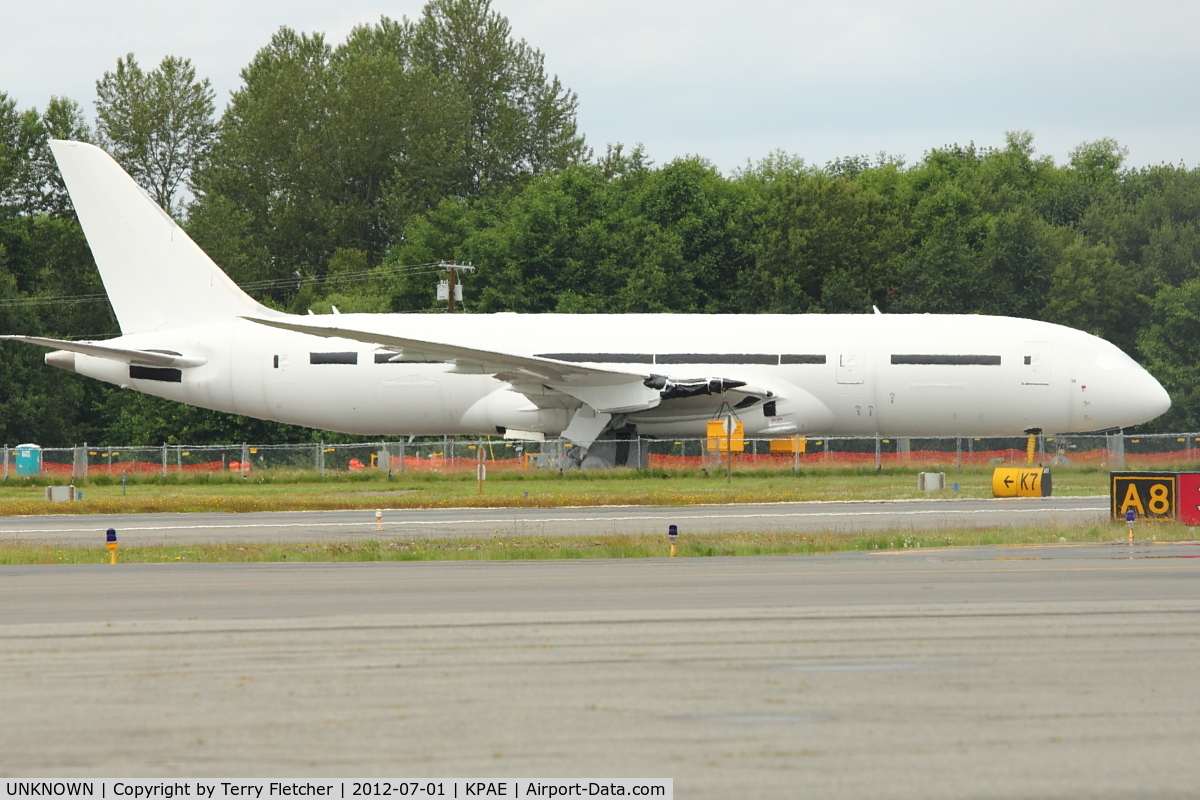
(137,468)
(813,459)
(979,458)
(465,464)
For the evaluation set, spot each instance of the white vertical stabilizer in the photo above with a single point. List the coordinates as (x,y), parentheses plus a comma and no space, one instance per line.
(155,275)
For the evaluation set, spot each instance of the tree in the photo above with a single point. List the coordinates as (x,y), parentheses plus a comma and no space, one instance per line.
(1020,256)
(63,119)
(330,148)
(326,148)
(521,121)
(1092,291)
(614,237)
(824,244)
(1171,346)
(943,269)
(29,179)
(20,135)
(157,125)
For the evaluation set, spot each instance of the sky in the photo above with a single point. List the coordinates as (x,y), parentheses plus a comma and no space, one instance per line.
(729,81)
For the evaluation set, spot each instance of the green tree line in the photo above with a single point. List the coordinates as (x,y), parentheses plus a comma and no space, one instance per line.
(338,172)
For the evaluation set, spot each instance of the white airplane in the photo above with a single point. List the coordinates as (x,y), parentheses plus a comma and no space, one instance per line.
(188,333)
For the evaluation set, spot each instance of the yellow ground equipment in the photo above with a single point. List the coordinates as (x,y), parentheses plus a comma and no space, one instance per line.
(1021,482)
(719,439)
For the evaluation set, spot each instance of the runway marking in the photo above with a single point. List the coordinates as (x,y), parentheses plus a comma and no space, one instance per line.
(1123,564)
(534,520)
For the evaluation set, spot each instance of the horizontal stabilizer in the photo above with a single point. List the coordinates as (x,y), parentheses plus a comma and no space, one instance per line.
(147,358)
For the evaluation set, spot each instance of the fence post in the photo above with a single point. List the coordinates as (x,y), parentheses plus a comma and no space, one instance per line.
(1116,450)
(164,459)
(878,454)
(79,463)
(958,453)
(480,466)
(402,466)
(729,445)
(321,459)
(6,463)
(179,458)
(245,459)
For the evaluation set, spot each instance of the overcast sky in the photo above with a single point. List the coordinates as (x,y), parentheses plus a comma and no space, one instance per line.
(730,81)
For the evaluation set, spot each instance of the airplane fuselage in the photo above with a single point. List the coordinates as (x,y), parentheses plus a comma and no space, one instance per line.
(898,375)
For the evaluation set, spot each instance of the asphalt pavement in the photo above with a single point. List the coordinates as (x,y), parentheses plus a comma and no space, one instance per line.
(1012,672)
(357,525)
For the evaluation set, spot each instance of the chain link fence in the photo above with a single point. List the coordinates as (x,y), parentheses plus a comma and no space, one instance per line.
(450,454)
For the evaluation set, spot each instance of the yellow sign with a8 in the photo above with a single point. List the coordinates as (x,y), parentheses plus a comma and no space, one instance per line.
(1150,495)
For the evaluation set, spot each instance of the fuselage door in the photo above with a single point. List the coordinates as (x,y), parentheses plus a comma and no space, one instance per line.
(850,364)
(1035,364)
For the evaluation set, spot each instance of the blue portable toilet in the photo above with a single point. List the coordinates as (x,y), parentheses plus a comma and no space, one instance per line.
(29,459)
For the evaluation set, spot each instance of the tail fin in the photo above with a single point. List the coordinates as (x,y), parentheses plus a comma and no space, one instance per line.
(156,277)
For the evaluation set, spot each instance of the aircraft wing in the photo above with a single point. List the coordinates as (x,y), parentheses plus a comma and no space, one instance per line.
(148,358)
(605,390)
(471,360)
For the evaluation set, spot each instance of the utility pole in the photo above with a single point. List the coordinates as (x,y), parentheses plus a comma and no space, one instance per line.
(448,290)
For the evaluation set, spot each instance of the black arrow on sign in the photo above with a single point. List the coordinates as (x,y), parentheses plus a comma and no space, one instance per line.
(1008,481)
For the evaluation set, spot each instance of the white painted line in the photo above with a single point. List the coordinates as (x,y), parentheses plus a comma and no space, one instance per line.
(536,520)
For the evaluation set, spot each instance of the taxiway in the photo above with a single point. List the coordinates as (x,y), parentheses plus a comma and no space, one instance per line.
(1011,672)
(323,526)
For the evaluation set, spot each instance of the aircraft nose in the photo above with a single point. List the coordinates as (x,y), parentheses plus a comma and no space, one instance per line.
(1154,398)
(1142,398)
(1126,394)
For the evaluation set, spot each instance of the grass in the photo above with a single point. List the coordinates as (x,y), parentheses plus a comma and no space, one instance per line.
(291,491)
(526,548)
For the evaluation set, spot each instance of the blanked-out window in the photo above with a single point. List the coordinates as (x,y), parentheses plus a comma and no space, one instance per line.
(165,375)
(333,358)
(955,360)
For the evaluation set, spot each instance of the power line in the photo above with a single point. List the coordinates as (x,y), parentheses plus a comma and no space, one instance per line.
(249,286)
(42,301)
(341,277)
